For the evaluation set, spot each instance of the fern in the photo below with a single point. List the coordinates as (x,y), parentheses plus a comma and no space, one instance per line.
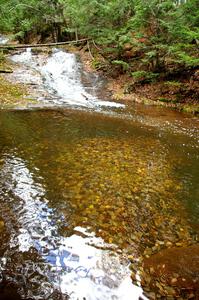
(125,66)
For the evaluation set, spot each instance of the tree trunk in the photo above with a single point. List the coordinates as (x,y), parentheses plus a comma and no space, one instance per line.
(13,47)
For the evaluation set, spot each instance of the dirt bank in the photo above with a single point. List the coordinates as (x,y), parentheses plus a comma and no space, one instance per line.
(180,92)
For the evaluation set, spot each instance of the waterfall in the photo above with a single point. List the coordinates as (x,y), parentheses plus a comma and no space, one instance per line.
(61,74)
(3,40)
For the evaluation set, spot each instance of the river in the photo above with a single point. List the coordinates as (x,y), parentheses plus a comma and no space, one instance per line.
(90,187)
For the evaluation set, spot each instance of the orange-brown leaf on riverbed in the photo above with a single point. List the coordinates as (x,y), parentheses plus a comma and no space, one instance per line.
(112,190)
(115,178)
(175,272)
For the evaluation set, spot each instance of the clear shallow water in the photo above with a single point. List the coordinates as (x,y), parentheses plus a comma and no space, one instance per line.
(82,190)
(73,264)
(76,192)
(80,265)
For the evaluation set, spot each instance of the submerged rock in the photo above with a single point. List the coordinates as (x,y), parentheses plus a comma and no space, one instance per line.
(176,268)
(9,291)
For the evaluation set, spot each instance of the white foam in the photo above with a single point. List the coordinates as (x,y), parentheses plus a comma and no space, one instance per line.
(62,78)
(3,40)
(24,57)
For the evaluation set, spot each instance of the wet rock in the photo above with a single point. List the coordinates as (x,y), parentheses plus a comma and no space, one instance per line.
(9,291)
(180,269)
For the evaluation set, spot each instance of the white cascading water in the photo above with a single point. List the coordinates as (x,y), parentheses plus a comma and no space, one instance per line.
(3,40)
(61,75)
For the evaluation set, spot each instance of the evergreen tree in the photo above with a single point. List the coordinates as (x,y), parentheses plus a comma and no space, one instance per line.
(153,36)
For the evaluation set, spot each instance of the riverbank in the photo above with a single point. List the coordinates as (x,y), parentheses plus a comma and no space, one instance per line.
(180,93)
(12,95)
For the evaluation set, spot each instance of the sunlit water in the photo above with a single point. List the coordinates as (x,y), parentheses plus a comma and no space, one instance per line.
(79,191)
(77,265)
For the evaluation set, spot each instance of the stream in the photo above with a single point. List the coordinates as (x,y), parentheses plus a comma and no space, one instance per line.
(89,187)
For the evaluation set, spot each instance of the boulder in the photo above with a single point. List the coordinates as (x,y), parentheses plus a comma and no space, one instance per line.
(178,267)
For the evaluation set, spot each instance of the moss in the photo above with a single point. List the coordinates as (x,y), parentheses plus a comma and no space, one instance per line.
(2,57)
(173,83)
(11,95)
(193,109)
(148,101)
(164,100)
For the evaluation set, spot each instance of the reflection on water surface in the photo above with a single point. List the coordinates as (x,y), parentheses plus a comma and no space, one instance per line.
(80,192)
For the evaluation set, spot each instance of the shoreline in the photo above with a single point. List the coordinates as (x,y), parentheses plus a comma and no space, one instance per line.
(118,88)
(17,94)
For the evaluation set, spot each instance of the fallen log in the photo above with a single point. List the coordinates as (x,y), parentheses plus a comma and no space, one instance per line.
(13,47)
(6,71)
